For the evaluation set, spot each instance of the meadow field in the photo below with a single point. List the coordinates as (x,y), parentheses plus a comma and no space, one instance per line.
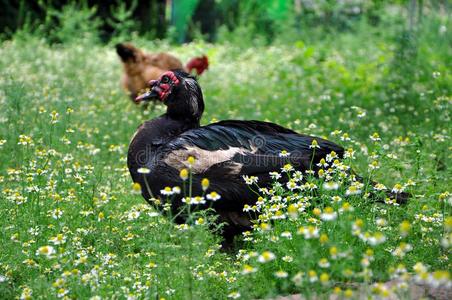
(73,227)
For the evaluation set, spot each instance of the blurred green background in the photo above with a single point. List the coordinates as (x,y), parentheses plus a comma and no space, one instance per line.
(185,20)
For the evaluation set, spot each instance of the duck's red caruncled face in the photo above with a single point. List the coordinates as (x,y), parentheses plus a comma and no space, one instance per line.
(164,85)
(161,88)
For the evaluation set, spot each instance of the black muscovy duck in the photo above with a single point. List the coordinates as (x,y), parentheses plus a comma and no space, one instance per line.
(223,151)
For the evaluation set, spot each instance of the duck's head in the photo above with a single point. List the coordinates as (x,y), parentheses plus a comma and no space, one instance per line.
(179,91)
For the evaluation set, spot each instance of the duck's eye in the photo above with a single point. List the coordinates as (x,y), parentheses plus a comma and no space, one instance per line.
(165,79)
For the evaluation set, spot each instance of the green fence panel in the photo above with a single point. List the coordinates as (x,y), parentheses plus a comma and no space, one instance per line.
(181,13)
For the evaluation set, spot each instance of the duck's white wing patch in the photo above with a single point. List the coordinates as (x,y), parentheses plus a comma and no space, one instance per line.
(204,159)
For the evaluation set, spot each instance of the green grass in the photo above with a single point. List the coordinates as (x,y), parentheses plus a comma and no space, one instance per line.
(118,246)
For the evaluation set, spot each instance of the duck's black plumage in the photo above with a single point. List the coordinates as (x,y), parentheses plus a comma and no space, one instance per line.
(232,149)
(223,151)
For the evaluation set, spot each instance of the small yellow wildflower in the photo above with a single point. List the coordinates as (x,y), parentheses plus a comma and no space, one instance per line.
(292,210)
(287,168)
(183,174)
(205,184)
(314,144)
(333,252)
(247,269)
(448,223)
(348,293)
(47,251)
(265,227)
(136,188)
(317,211)
(324,278)
(266,256)
(404,227)
(323,238)
(200,221)
(191,161)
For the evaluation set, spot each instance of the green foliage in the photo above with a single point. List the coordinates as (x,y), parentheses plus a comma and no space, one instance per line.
(73,23)
(275,20)
(122,21)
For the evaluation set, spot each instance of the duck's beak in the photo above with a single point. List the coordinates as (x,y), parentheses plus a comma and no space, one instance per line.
(152,94)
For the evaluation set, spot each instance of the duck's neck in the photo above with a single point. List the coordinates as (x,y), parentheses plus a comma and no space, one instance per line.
(179,124)
(155,133)
(186,104)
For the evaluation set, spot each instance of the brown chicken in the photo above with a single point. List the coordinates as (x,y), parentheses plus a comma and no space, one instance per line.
(141,67)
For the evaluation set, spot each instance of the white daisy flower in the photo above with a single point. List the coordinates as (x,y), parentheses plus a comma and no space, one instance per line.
(46,251)
(213,196)
(330,185)
(143,170)
(266,256)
